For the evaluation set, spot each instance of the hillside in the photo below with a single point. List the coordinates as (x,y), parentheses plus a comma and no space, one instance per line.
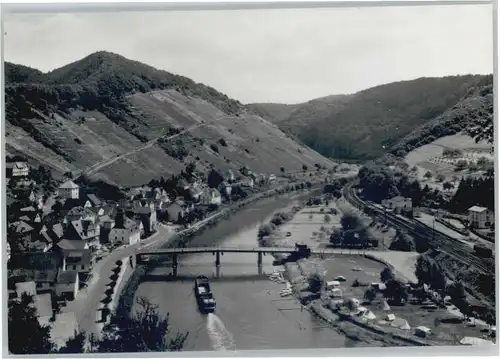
(476,104)
(274,112)
(366,124)
(129,123)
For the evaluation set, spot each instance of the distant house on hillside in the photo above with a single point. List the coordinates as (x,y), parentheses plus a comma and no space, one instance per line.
(69,189)
(17,169)
(398,203)
(480,217)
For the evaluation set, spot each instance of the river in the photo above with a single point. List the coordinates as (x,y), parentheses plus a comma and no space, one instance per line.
(250,313)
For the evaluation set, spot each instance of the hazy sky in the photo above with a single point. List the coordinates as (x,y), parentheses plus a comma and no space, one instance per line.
(269,55)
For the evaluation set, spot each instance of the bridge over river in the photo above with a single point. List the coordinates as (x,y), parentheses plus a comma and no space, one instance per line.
(173,253)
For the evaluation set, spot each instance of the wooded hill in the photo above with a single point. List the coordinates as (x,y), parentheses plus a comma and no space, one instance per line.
(372,122)
(104,106)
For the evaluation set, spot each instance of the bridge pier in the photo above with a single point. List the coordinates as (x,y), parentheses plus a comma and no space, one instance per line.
(259,259)
(217,259)
(174,265)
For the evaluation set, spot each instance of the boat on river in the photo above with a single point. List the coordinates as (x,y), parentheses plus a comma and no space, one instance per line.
(203,294)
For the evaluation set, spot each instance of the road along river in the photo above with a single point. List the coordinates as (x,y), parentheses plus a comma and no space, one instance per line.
(250,313)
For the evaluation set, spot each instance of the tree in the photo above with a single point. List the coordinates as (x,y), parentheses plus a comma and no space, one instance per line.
(396,290)
(460,165)
(26,335)
(481,128)
(428,174)
(266,230)
(386,275)
(57,207)
(448,186)
(304,168)
(370,294)
(423,270)
(146,331)
(336,237)
(456,291)
(282,169)
(440,177)
(315,281)
(214,179)
(402,242)
(327,218)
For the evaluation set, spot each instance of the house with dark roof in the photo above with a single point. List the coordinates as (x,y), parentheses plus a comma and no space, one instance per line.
(67,284)
(21,231)
(174,211)
(80,213)
(92,200)
(44,279)
(125,231)
(83,230)
(76,255)
(24,195)
(56,232)
(147,215)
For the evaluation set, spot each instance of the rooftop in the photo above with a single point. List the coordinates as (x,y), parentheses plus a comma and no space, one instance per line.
(72,244)
(69,185)
(477,209)
(67,277)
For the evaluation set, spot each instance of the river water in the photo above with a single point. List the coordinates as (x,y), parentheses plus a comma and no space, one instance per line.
(250,313)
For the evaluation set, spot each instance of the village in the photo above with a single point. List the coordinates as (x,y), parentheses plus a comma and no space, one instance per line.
(56,237)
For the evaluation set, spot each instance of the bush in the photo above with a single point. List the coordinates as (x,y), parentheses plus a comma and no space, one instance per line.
(402,242)
(222,142)
(315,281)
(266,230)
(386,275)
(214,148)
(119,263)
(280,218)
(370,294)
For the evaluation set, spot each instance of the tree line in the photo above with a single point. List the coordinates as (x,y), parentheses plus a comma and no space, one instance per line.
(145,331)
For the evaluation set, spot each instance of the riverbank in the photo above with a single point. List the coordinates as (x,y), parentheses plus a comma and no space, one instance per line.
(126,295)
(360,266)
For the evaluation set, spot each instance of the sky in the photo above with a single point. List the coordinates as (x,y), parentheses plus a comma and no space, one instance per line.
(282,56)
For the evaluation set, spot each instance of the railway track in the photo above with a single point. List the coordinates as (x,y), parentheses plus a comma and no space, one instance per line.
(451,246)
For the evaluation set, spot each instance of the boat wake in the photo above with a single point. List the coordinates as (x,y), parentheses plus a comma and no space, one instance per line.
(220,338)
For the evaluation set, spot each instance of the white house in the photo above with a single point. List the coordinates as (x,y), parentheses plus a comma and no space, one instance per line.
(398,203)
(480,217)
(67,284)
(69,189)
(17,169)
(272,178)
(211,196)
